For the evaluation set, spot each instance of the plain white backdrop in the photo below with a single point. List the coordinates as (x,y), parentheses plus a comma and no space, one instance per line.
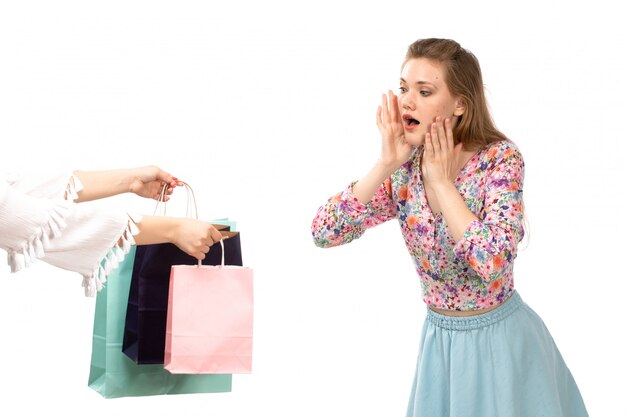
(267,109)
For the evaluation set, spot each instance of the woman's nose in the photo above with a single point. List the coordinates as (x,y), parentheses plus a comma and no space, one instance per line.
(407,101)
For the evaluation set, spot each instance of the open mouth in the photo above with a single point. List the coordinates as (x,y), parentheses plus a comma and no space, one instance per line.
(410,121)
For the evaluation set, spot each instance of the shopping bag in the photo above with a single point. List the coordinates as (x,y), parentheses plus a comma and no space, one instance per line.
(112,373)
(210,318)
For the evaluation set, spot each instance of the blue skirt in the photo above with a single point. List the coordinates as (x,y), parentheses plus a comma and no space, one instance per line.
(503,363)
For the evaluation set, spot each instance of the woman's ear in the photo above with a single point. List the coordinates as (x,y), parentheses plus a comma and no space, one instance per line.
(459,107)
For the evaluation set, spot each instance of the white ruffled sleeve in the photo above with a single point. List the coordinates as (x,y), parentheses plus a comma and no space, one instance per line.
(38,220)
(27,224)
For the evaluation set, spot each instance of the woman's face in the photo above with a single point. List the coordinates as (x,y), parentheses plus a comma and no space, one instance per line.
(424,95)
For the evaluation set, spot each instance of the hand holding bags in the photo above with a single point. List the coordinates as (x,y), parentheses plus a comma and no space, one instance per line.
(209,318)
(144,335)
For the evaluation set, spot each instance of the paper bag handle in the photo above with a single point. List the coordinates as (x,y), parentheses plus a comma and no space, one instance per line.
(191,198)
(221,243)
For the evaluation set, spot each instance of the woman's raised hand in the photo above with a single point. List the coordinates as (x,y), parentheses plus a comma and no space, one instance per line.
(441,156)
(395,149)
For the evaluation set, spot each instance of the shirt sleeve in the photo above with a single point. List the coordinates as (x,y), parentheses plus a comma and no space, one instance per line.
(38,220)
(93,243)
(489,245)
(53,185)
(27,224)
(344,218)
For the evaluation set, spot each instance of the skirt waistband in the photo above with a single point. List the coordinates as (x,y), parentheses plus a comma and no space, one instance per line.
(480,320)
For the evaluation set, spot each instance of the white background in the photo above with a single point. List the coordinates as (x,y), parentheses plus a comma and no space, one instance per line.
(268,108)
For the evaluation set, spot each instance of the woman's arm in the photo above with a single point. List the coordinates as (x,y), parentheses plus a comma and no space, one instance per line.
(369,201)
(344,218)
(192,236)
(143,181)
(395,149)
(488,243)
(441,158)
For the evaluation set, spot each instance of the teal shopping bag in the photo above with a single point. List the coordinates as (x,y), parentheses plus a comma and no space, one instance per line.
(226,222)
(112,373)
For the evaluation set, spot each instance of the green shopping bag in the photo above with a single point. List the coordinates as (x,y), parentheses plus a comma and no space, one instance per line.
(226,222)
(112,373)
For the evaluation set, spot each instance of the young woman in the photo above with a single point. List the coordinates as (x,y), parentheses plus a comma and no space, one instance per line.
(454,183)
(40,218)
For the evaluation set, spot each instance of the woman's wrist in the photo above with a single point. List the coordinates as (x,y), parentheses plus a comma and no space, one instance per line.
(172,229)
(157,229)
(384,169)
(443,186)
(366,187)
(101,184)
(131,177)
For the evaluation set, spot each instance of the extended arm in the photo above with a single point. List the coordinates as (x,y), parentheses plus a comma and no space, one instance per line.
(144,181)
(369,201)
(191,236)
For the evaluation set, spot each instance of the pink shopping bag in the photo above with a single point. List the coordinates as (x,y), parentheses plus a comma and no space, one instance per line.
(209,319)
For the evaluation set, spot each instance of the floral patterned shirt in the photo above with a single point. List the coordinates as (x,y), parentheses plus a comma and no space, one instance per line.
(472,274)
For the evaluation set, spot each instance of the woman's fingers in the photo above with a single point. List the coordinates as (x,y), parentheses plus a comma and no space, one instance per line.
(441,133)
(435,140)
(379,120)
(449,135)
(395,149)
(215,235)
(442,138)
(167,178)
(385,109)
(389,110)
(441,155)
(428,147)
(195,237)
(394,111)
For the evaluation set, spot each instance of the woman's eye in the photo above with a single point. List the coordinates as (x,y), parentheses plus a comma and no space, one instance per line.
(402,90)
(425,93)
